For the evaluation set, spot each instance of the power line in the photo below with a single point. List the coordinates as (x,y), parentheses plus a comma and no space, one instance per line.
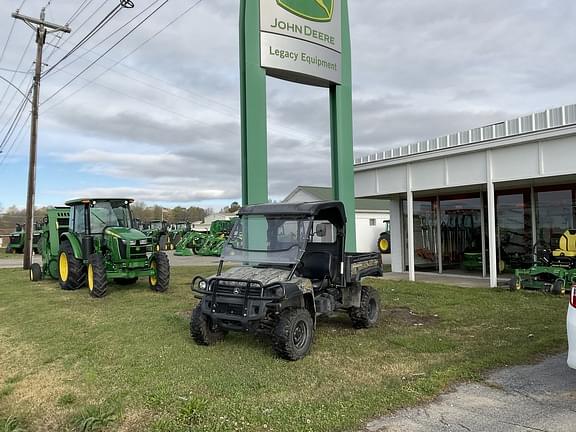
(86,51)
(108,50)
(185,12)
(17,139)
(88,36)
(14,75)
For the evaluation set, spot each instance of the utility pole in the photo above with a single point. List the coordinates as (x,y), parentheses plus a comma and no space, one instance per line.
(42,28)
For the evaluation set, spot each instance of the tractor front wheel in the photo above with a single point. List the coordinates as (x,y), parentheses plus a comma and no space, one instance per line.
(384,243)
(71,271)
(367,314)
(97,280)
(35,272)
(161,279)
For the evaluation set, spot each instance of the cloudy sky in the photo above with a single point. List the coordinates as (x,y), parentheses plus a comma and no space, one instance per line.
(158,118)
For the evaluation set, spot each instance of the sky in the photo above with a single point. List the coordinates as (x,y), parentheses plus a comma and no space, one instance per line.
(158,117)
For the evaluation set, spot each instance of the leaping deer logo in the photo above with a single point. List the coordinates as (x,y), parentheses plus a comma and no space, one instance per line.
(313,10)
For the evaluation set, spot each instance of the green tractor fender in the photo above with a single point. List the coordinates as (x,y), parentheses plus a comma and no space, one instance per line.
(76,246)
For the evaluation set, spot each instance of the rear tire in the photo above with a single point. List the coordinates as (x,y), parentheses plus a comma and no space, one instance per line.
(202,330)
(367,314)
(35,272)
(161,264)
(97,280)
(293,334)
(71,271)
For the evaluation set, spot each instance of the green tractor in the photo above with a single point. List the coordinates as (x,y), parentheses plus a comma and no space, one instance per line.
(178,231)
(554,270)
(205,243)
(159,233)
(92,242)
(16,244)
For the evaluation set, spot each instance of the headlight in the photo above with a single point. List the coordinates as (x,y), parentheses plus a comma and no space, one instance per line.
(276,291)
(143,242)
(203,285)
(133,242)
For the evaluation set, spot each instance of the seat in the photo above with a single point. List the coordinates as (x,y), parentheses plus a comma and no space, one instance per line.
(317,266)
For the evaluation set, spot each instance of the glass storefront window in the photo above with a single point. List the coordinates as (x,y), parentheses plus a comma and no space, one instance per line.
(555,213)
(461,227)
(425,247)
(514,230)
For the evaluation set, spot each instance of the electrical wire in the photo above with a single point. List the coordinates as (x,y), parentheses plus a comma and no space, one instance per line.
(88,36)
(180,16)
(108,50)
(16,120)
(16,140)
(91,50)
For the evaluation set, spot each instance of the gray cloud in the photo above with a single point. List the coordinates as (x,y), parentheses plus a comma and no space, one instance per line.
(165,124)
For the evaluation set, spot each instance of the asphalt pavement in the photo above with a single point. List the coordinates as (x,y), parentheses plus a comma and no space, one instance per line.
(540,397)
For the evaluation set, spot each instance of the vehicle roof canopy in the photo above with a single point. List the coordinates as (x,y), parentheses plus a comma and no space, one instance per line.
(332,211)
(89,200)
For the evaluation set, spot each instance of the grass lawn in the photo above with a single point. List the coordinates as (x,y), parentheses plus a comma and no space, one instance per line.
(127,363)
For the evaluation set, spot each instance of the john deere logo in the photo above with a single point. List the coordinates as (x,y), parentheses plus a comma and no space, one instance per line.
(313,10)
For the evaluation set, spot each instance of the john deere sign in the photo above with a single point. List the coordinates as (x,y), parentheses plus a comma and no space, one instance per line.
(307,42)
(300,40)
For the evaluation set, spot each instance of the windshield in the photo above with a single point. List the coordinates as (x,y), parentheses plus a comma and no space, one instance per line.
(257,239)
(156,225)
(109,214)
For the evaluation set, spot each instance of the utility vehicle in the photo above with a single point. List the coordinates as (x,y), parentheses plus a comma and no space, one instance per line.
(292,270)
(94,243)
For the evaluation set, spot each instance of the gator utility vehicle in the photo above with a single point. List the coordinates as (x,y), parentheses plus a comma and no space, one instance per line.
(554,270)
(98,245)
(293,270)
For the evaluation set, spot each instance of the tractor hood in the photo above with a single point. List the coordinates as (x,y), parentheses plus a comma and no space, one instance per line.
(128,234)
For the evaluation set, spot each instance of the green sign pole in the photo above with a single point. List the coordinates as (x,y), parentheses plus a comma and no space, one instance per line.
(294,50)
(342,137)
(253,107)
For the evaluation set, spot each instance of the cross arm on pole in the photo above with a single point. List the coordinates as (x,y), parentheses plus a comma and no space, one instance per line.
(32,20)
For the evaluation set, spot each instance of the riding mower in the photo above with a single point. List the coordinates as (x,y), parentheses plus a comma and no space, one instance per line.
(92,242)
(554,270)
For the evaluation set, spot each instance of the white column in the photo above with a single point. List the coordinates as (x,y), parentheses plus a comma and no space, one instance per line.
(491,222)
(439,235)
(410,224)
(396,236)
(483,233)
(533,216)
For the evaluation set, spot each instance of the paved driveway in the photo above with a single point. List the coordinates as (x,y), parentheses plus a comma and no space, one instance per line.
(541,397)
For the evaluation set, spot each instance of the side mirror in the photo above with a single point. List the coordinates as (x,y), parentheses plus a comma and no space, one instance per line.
(321,230)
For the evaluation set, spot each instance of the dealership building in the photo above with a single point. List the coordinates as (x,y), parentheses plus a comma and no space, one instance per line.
(476,202)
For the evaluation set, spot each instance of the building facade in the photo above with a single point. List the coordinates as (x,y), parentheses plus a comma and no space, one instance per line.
(477,202)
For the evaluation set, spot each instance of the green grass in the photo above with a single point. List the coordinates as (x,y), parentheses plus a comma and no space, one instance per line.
(127,363)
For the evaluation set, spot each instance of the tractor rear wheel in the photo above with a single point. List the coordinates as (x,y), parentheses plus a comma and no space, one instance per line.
(202,330)
(97,280)
(160,264)
(35,272)
(367,314)
(71,271)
